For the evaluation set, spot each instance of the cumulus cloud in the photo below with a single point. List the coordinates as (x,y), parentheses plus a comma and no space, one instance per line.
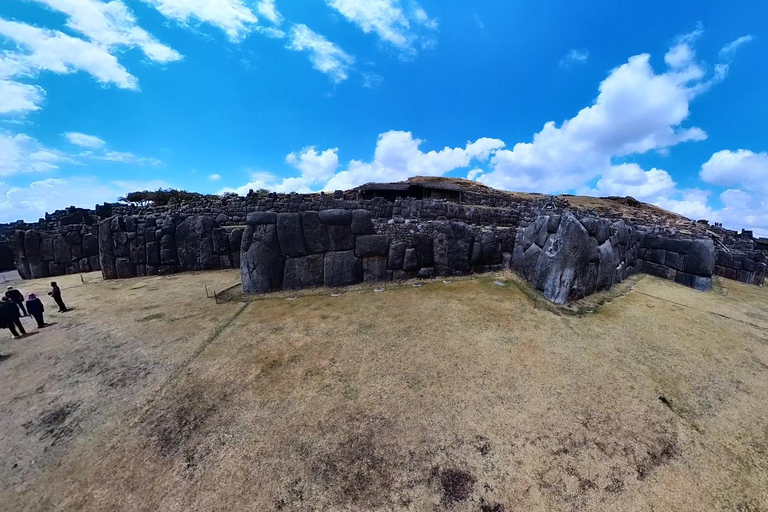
(324,55)
(741,168)
(214,177)
(231,16)
(31,202)
(50,50)
(83,140)
(388,20)
(109,25)
(636,111)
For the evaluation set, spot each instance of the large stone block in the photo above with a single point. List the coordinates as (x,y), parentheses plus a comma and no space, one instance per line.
(700,258)
(262,263)
(396,255)
(90,245)
(168,252)
(567,267)
(291,235)
(371,245)
(260,218)
(375,270)
(607,266)
(452,248)
(316,239)
(125,269)
(342,268)
(220,238)
(153,254)
(336,217)
(362,223)
(106,250)
(340,238)
(304,272)
(236,240)
(491,246)
(411,260)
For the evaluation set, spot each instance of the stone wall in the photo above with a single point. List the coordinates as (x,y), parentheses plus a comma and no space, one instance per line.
(68,250)
(690,262)
(746,267)
(139,246)
(287,251)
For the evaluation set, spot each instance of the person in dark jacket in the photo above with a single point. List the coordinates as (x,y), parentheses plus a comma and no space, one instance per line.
(56,294)
(36,309)
(10,317)
(17,298)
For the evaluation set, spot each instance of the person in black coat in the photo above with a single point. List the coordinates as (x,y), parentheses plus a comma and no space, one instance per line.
(10,317)
(17,298)
(56,294)
(36,309)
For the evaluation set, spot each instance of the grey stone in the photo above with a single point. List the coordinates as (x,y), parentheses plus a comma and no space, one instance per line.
(153,254)
(342,268)
(90,245)
(316,238)
(106,250)
(220,238)
(452,248)
(340,238)
(371,245)
(125,268)
(375,270)
(673,259)
(700,258)
(260,218)
(411,260)
(524,261)
(304,272)
(362,223)
(262,264)
(426,273)
(336,217)
(291,234)
(607,266)
(396,256)
(567,267)
(553,223)
(168,253)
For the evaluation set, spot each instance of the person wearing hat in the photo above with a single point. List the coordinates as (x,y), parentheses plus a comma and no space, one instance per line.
(17,298)
(36,309)
(56,294)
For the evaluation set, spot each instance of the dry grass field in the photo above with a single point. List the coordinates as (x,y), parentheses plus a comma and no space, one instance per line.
(460,396)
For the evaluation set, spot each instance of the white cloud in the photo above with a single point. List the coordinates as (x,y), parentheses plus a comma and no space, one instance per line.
(214,177)
(21,153)
(111,24)
(120,157)
(575,57)
(387,19)
(741,168)
(728,51)
(636,111)
(31,202)
(632,180)
(372,80)
(83,140)
(49,50)
(231,16)
(272,32)
(18,98)
(325,56)
(268,9)
(398,156)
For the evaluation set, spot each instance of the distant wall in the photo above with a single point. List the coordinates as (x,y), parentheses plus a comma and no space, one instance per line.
(139,246)
(68,250)
(287,251)
(746,267)
(690,262)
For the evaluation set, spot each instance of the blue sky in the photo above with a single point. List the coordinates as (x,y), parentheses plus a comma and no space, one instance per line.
(664,101)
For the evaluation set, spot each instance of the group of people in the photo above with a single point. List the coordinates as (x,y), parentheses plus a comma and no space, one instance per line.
(13,308)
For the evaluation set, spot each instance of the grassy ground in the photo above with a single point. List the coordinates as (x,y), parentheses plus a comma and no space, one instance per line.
(460,396)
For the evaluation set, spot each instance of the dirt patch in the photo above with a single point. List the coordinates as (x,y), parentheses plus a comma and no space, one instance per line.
(58,424)
(149,318)
(180,421)
(456,485)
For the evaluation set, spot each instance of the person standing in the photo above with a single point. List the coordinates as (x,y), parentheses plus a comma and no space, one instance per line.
(17,298)
(56,294)
(36,309)
(10,317)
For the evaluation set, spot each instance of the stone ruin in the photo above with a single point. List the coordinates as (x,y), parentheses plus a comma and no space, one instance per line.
(380,233)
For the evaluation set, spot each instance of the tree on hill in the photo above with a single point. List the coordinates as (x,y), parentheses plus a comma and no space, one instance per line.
(163,197)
